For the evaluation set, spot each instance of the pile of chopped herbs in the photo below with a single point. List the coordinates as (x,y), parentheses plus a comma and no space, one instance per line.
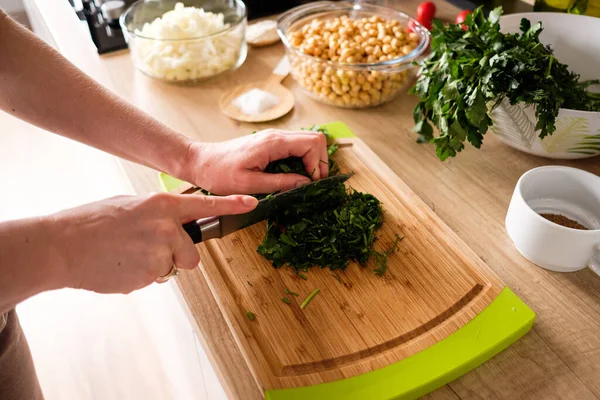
(330,228)
(325,234)
(470,71)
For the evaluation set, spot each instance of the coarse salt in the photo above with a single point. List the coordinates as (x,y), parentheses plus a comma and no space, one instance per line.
(255,101)
(262,31)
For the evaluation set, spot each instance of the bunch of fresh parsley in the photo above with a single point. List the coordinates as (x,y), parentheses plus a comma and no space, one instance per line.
(470,71)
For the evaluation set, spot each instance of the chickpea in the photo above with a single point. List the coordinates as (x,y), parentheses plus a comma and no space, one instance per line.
(342,39)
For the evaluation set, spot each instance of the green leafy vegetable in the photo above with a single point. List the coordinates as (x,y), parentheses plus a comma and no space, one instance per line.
(302,276)
(309,298)
(286,300)
(251,315)
(468,73)
(287,291)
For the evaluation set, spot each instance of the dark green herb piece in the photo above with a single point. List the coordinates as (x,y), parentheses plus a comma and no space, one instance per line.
(309,298)
(249,283)
(287,291)
(381,258)
(337,278)
(468,73)
(286,300)
(300,275)
(251,315)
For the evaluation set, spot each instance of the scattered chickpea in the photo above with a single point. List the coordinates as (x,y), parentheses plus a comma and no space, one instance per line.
(349,41)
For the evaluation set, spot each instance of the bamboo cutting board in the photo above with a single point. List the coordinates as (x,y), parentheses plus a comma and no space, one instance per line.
(359,322)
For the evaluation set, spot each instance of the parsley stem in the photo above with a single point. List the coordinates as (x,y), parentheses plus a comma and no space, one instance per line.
(309,298)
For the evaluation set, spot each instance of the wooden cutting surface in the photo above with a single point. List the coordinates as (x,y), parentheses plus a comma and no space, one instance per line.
(434,284)
(559,358)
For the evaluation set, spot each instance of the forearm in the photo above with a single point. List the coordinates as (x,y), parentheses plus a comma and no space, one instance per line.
(40,86)
(30,262)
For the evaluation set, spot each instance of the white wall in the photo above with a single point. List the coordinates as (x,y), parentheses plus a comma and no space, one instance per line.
(11,6)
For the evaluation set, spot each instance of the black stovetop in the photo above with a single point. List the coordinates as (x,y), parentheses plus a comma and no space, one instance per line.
(106,35)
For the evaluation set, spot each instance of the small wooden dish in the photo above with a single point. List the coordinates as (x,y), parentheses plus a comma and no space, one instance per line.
(266,38)
(273,85)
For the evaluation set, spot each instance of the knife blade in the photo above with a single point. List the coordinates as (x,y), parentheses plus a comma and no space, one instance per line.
(217,227)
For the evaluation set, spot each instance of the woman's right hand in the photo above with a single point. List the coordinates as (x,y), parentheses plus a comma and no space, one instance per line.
(125,243)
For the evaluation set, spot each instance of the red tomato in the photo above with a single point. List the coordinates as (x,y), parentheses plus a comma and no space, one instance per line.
(460,18)
(426,12)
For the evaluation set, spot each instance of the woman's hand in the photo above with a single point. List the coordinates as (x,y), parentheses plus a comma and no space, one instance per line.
(124,243)
(236,166)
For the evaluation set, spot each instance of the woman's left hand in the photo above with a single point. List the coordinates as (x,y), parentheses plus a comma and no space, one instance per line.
(236,166)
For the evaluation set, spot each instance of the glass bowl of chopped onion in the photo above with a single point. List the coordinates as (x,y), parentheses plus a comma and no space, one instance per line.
(352,55)
(185,41)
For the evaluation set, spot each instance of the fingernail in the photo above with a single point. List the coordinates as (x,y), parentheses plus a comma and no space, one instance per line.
(302,183)
(250,201)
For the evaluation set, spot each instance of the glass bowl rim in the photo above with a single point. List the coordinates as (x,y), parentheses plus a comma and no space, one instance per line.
(242,17)
(347,6)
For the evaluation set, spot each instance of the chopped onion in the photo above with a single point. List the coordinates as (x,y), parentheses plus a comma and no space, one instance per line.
(172,47)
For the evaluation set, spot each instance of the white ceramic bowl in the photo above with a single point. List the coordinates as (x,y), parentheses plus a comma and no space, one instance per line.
(575,40)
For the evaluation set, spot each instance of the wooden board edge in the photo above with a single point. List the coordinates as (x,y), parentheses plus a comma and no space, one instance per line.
(241,386)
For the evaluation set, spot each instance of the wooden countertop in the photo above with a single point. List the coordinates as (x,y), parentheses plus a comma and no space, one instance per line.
(559,358)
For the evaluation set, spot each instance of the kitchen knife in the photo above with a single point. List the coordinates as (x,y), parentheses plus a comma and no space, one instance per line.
(217,227)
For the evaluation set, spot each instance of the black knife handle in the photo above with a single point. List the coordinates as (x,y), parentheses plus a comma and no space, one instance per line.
(194,229)
(205,228)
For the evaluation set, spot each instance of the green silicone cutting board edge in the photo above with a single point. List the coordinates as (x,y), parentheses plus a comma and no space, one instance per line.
(499,325)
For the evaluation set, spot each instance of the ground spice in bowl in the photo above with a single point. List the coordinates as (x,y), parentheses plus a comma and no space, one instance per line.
(564,221)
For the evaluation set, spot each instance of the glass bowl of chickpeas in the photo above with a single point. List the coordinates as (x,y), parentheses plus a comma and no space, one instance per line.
(352,55)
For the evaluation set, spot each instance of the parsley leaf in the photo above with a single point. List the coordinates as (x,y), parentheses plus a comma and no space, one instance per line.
(468,73)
